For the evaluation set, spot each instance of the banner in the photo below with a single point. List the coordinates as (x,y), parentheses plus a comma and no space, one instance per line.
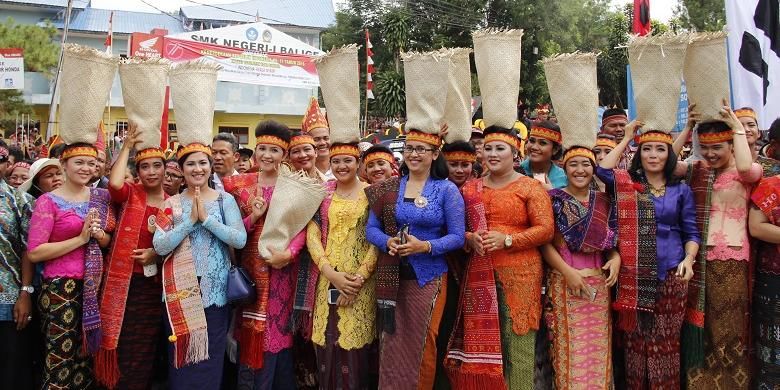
(11,69)
(145,45)
(256,37)
(754,56)
(248,67)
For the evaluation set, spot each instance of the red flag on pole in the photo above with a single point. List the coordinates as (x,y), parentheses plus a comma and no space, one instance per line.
(109,37)
(641,17)
(164,124)
(369,67)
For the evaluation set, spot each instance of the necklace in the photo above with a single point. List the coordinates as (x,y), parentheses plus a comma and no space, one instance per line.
(420,201)
(657,192)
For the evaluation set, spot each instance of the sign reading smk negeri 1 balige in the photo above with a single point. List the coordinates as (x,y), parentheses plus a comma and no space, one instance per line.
(11,69)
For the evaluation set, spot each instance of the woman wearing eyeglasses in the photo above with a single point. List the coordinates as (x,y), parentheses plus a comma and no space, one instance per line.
(414,220)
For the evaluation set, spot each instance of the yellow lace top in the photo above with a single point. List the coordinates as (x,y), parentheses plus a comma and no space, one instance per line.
(346,250)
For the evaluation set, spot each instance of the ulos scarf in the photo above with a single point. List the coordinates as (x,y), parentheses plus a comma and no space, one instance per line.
(638,278)
(766,197)
(474,357)
(308,273)
(591,228)
(115,290)
(382,198)
(701,179)
(183,301)
(250,332)
(99,200)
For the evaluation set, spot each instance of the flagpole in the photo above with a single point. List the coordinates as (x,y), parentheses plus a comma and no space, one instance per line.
(109,49)
(55,91)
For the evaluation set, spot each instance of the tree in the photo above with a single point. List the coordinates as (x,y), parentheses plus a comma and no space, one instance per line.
(701,15)
(611,65)
(40,55)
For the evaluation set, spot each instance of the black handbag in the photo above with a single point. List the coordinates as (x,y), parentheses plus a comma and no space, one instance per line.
(240,287)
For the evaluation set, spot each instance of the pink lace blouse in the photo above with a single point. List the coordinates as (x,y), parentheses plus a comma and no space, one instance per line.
(56,219)
(727,236)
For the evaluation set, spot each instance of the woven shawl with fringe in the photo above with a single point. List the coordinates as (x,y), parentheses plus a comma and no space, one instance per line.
(591,228)
(382,198)
(308,272)
(700,179)
(252,317)
(638,278)
(183,301)
(93,273)
(118,274)
(474,357)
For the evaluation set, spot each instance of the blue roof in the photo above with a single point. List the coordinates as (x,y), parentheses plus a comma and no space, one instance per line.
(125,22)
(308,13)
(49,3)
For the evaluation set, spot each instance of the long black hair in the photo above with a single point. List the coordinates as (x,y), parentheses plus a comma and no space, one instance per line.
(439,170)
(638,173)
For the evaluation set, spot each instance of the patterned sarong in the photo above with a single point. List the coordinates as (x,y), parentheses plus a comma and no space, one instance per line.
(590,228)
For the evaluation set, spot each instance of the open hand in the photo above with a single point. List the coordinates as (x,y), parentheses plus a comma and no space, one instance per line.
(133,137)
(613,267)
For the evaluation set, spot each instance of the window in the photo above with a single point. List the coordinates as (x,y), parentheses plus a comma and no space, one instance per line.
(242,133)
(121,129)
(172,135)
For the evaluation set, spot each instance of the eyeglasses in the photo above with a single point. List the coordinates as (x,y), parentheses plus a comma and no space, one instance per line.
(173,177)
(416,149)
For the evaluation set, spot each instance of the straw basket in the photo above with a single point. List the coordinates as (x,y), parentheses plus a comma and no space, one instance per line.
(457,111)
(194,91)
(497,55)
(707,73)
(426,76)
(143,90)
(339,81)
(571,80)
(295,200)
(86,80)
(656,74)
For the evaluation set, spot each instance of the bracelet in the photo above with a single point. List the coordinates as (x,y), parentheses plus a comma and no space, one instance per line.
(740,132)
(430,246)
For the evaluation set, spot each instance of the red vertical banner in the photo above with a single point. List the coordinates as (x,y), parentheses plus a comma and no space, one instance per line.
(641,17)
(164,123)
(369,67)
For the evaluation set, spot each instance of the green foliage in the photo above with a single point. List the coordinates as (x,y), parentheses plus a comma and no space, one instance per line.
(701,15)
(611,66)
(390,93)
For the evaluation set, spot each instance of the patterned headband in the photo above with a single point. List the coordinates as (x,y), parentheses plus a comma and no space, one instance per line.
(548,134)
(148,153)
(503,137)
(746,113)
(379,156)
(345,150)
(192,148)
(303,139)
(716,138)
(460,156)
(419,136)
(79,151)
(655,136)
(578,151)
(273,140)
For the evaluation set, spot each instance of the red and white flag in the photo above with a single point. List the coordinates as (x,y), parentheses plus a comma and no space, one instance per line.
(110,36)
(369,67)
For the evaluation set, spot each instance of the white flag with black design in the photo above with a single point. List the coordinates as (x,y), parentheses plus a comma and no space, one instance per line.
(754,56)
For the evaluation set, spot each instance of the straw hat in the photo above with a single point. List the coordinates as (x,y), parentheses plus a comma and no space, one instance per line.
(656,75)
(339,81)
(37,167)
(86,80)
(497,55)
(143,90)
(571,80)
(426,77)
(457,112)
(194,91)
(707,73)
(295,200)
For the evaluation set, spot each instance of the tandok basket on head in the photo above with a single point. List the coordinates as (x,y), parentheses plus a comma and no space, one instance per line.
(339,80)
(86,80)
(656,75)
(457,111)
(706,73)
(497,55)
(426,77)
(295,200)
(143,90)
(194,92)
(571,80)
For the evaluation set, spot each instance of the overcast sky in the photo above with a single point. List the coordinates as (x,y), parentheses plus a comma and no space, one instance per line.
(659,9)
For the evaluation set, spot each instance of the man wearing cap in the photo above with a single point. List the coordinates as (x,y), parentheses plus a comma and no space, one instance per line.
(613,122)
(15,283)
(224,148)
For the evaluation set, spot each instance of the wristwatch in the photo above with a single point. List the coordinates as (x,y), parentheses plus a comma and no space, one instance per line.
(29,289)
(508,241)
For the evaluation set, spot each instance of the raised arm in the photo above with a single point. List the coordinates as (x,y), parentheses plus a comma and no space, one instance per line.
(612,159)
(693,118)
(116,180)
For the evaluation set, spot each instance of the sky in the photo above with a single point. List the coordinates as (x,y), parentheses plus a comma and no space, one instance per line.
(659,9)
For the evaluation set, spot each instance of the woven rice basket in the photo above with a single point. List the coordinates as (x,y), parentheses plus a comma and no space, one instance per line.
(571,80)
(295,200)
(497,55)
(194,92)
(656,74)
(426,77)
(457,111)
(339,80)
(86,80)
(707,73)
(143,90)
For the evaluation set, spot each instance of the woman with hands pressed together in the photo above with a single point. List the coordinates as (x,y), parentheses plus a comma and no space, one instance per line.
(130,304)
(70,225)
(585,264)
(195,232)
(659,241)
(343,329)
(414,220)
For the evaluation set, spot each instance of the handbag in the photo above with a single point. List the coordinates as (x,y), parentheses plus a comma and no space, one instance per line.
(240,287)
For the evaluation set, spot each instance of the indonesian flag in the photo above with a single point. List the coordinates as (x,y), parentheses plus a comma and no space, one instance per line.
(369,67)
(109,37)
(164,123)
(641,17)
(754,56)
